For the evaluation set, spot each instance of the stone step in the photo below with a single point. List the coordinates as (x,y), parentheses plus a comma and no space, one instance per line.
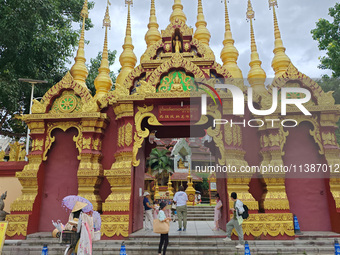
(147,249)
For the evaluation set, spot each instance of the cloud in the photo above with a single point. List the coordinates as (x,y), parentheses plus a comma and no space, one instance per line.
(296,20)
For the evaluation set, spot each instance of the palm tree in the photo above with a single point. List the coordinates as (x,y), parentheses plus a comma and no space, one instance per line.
(161,165)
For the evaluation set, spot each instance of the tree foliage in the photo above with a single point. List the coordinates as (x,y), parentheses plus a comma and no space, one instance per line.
(93,69)
(332,84)
(160,163)
(37,39)
(328,36)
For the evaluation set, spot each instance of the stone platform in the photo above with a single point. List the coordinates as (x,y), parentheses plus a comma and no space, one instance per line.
(199,239)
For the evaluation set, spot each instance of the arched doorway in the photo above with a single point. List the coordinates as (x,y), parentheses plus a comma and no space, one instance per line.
(59,178)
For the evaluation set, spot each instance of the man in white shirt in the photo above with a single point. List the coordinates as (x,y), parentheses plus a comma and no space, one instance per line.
(181,199)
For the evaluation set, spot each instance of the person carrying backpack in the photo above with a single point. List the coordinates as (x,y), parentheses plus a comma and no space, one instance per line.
(236,221)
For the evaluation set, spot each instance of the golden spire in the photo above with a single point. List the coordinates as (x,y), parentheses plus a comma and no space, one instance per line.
(153,34)
(128,58)
(202,33)
(280,61)
(256,75)
(178,12)
(229,53)
(103,82)
(79,70)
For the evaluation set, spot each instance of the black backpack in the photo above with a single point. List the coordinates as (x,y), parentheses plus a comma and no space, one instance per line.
(245,214)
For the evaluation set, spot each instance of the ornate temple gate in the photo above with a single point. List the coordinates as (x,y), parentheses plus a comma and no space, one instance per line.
(110,131)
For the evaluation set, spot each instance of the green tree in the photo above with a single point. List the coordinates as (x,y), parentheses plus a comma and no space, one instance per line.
(332,84)
(37,40)
(328,36)
(93,69)
(161,165)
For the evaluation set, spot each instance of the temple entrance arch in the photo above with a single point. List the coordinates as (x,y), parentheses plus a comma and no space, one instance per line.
(147,122)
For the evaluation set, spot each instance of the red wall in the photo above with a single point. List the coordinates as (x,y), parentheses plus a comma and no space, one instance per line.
(307,194)
(109,147)
(60,178)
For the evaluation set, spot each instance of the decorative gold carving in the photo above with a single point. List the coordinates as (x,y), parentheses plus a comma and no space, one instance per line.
(123,110)
(17,224)
(176,61)
(183,28)
(37,144)
(66,83)
(329,139)
(15,150)
(29,181)
(87,143)
(119,177)
(216,133)
(315,132)
(97,143)
(272,224)
(145,88)
(128,134)
(63,126)
(66,103)
(141,134)
(115,225)
(2,156)
(292,74)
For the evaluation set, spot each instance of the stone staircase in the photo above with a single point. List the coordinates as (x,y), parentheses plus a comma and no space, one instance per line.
(178,245)
(200,213)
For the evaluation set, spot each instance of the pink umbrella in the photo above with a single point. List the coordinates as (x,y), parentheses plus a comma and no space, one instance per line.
(69,202)
(97,221)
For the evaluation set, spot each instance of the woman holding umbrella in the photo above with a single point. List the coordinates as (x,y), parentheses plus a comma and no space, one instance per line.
(81,222)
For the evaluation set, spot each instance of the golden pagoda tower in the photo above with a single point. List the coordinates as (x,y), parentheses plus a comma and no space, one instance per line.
(190,189)
(170,186)
(153,35)
(156,195)
(229,53)
(256,75)
(103,82)
(280,61)
(202,33)
(79,70)
(178,12)
(128,58)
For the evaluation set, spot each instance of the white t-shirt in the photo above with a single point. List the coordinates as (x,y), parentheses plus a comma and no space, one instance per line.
(181,198)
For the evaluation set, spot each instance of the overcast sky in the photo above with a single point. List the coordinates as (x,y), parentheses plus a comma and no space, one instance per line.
(296,19)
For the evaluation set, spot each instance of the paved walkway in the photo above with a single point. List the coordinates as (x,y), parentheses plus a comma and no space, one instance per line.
(194,228)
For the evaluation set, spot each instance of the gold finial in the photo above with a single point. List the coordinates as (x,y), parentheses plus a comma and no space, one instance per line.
(229,53)
(202,33)
(79,70)
(178,12)
(103,82)
(280,61)
(256,75)
(273,3)
(128,58)
(153,35)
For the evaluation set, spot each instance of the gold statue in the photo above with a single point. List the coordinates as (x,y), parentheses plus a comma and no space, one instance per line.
(177,85)
(181,164)
(177,44)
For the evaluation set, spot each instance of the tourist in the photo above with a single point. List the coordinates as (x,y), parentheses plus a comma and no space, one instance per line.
(236,221)
(148,211)
(168,203)
(181,199)
(164,237)
(217,211)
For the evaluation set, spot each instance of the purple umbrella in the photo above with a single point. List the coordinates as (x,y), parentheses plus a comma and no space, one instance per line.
(69,202)
(97,221)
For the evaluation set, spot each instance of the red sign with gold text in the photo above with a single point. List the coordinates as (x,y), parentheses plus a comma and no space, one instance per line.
(178,113)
